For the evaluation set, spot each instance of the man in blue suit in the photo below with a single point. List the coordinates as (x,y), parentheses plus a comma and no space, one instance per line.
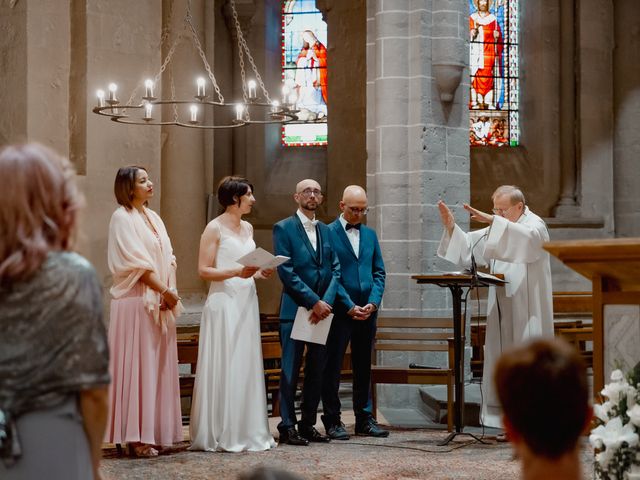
(310,279)
(362,278)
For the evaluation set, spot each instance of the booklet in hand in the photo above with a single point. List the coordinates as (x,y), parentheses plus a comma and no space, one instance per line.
(306,331)
(262,259)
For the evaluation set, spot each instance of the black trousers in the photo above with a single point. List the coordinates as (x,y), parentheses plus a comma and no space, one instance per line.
(292,354)
(361,334)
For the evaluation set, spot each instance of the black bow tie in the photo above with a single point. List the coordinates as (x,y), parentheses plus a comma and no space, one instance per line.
(351,225)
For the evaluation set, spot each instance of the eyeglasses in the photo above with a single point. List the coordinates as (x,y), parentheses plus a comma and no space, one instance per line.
(307,192)
(500,211)
(358,211)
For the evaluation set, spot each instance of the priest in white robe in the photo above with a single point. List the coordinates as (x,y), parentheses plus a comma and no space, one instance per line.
(510,245)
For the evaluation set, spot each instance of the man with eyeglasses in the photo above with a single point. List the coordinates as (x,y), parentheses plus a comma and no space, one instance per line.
(362,279)
(510,245)
(310,279)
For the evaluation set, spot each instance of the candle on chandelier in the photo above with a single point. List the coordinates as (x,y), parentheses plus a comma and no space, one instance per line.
(201,91)
(148,108)
(285,93)
(239,111)
(251,84)
(100,94)
(194,113)
(293,98)
(148,88)
(113,88)
(275,106)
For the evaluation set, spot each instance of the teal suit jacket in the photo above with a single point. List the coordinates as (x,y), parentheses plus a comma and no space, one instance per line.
(309,275)
(362,278)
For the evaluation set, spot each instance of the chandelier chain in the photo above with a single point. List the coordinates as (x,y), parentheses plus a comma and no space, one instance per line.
(242,75)
(242,45)
(196,41)
(173,95)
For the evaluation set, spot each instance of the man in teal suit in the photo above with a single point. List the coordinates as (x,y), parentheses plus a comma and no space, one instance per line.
(362,279)
(310,279)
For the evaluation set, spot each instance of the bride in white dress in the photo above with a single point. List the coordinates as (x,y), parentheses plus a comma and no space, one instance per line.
(229,409)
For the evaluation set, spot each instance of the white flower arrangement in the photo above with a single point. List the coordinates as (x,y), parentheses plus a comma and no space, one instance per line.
(616,439)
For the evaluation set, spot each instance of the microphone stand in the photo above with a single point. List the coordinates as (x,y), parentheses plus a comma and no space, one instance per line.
(459,350)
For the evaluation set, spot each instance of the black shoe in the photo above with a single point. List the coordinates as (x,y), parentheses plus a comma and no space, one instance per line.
(371,428)
(292,437)
(337,432)
(313,435)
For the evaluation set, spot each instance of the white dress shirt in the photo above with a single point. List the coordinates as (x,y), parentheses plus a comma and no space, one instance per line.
(309,227)
(353,234)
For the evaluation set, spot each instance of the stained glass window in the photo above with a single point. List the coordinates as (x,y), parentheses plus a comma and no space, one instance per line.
(304,72)
(493,45)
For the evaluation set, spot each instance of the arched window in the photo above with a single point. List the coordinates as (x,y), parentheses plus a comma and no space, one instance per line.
(493,65)
(304,72)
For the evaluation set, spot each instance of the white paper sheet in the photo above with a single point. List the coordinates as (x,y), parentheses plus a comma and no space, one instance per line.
(306,331)
(262,259)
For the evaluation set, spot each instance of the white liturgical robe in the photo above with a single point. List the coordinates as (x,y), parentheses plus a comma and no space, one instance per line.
(523,307)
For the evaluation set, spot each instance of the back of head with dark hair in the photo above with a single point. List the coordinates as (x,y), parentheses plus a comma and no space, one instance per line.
(543,389)
(125,183)
(230,189)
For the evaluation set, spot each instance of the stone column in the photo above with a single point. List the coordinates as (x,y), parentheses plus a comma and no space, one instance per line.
(122,49)
(184,180)
(595,107)
(626,101)
(567,206)
(418,152)
(13,74)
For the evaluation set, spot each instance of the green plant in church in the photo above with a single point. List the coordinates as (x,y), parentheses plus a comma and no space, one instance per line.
(615,439)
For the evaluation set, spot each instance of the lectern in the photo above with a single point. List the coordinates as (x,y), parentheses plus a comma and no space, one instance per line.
(457,282)
(613,266)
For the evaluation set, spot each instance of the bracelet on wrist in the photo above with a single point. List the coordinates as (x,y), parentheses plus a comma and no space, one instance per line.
(164,291)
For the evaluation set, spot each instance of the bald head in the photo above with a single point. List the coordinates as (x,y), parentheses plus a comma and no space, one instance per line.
(354,204)
(354,193)
(308,196)
(307,183)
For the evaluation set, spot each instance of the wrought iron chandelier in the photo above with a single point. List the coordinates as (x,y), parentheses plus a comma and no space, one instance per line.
(252,109)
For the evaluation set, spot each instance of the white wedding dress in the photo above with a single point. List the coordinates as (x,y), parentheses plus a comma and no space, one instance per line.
(229,409)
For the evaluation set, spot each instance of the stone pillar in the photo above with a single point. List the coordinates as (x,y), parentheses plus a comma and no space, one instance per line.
(567,206)
(626,98)
(13,74)
(246,10)
(122,49)
(595,107)
(418,148)
(346,151)
(184,181)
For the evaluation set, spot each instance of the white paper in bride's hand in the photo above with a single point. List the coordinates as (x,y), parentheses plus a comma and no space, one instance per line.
(262,259)
(306,331)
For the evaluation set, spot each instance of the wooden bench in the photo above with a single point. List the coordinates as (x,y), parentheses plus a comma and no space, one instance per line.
(187,340)
(572,321)
(414,335)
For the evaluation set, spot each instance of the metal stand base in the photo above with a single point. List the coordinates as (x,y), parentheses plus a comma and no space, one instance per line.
(453,435)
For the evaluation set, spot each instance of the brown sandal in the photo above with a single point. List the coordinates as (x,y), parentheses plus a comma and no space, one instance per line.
(142,450)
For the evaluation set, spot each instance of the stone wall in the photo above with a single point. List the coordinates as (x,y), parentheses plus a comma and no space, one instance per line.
(418,152)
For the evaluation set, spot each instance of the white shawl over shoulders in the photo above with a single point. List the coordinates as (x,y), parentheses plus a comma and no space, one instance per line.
(133,249)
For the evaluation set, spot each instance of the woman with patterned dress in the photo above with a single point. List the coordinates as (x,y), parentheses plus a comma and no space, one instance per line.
(53,344)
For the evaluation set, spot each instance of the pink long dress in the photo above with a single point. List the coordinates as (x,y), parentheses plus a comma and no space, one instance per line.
(144,395)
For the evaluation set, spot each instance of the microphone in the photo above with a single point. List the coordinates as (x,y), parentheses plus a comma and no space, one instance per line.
(474,266)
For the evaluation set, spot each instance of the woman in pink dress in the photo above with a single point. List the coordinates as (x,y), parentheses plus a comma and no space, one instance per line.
(145,393)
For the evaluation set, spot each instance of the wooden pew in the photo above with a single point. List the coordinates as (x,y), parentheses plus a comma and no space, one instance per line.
(414,335)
